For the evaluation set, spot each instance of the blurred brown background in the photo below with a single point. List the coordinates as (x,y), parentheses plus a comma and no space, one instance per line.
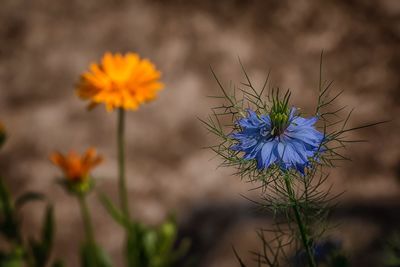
(45,45)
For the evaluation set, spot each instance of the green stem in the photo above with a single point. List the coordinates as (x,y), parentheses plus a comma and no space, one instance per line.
(121,162)
(86,219)
(302,228)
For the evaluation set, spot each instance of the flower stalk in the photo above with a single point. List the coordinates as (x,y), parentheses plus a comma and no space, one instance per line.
(121,162)
(302,227)
(87,221)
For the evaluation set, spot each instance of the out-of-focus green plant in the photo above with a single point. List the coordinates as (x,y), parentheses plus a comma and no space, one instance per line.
(41,249)
(391,255)
(134,81)
(145,246)
(78,182)
(34,252)
(149,246)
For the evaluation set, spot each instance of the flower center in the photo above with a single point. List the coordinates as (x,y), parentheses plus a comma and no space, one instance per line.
(279,123)
(279,115)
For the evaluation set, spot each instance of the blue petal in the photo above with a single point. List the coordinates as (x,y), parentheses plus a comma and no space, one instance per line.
(253,152)
(309,137)
(267,120)
(267,156)
(295,154)
(305,121)
(280,150)
(292,113)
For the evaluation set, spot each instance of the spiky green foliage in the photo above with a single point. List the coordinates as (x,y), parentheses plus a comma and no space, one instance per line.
(34,252)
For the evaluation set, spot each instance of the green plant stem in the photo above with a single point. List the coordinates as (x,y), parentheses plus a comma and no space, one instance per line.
(86,220)
(121,163)
(302,228)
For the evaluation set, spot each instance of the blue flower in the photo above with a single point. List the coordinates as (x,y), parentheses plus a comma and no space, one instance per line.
(324,251)
(287,140)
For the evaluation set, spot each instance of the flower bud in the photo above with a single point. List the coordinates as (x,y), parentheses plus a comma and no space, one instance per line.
(77,169)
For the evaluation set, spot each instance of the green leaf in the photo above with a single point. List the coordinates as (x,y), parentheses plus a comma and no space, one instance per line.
(103,259)
(168,232)
(88,256)
(167,253)
(154,247)
(114,212)
(48,228)
(41,250)
(13,262)
(131,251)
(9,225)
(94,256)
(134,250)
(150,242)
(13,259)
(5,199)
(58,263)
(28,197)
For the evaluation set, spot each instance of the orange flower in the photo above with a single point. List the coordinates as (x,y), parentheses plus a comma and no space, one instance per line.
(120,81)
(75,167)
